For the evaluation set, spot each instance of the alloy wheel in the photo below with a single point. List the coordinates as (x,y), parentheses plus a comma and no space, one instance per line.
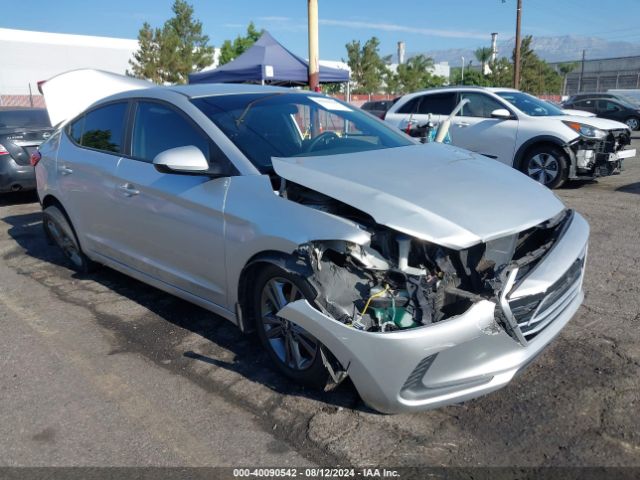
(632,123)
(294,346)
(544,168)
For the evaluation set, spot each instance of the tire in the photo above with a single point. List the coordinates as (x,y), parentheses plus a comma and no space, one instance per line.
(633,123)
(295,352)
(59,230)
(546,164)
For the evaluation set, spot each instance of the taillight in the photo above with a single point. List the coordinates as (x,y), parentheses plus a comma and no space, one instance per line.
(35,158)
(3,151)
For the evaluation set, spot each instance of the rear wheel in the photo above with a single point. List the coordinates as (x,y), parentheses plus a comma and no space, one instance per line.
(546,164)
(295,351)
(59,229)
(633,123)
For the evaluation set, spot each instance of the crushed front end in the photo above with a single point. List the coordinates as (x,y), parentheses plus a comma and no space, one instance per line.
(417,325)
(600,157)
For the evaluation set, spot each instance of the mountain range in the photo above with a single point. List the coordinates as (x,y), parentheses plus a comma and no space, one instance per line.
(552,49)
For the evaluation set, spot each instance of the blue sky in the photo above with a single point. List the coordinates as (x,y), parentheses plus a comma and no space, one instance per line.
(422,24)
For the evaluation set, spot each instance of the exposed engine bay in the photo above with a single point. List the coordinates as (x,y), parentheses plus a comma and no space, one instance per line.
(398,282)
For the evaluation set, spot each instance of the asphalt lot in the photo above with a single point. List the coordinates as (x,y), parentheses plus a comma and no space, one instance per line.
(103,370)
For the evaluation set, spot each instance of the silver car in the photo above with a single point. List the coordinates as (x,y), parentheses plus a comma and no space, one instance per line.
(427,274)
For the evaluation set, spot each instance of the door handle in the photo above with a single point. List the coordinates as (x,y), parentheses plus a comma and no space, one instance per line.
(64,170)
(462,124)
(128,190)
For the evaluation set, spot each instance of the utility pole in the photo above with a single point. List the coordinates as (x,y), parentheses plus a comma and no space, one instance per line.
(581,72)
(314,67)
(516,60)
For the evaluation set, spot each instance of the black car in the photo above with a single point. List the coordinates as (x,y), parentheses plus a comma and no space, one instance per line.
(598,95)
(611,108)
(22,130)
(378,107)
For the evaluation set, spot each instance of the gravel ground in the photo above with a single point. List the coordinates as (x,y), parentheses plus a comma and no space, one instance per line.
(103,370)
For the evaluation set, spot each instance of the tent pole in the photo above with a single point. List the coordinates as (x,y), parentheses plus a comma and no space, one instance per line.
(348,96)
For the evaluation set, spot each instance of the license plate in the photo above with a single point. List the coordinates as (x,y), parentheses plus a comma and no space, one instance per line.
(613,157)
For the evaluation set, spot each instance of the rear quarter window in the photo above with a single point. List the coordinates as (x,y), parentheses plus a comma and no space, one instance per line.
(101,129)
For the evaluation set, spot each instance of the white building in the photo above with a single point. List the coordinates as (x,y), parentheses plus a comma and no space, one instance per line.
(28,57)
(442,69)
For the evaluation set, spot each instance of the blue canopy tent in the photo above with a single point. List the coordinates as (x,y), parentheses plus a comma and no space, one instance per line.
(267,61)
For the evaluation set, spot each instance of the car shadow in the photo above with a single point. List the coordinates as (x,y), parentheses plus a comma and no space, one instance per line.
(18,198)
(575,184)
(157,341)
(630,188)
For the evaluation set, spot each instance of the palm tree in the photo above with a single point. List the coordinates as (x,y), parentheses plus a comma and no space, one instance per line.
(483,55)
(565,69)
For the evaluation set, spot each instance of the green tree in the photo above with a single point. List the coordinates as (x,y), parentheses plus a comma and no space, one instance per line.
(416,74)
(146,59)
(241,44)
(392,83)
(471,77)
(367,67)
(170,54)
(483,55)
(501,74)
(537,76)
(565,69)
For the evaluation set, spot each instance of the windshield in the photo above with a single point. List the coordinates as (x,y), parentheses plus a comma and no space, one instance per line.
(269,125)
(531,105)
(24,118)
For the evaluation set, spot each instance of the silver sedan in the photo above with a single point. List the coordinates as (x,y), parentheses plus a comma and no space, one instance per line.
(425,273)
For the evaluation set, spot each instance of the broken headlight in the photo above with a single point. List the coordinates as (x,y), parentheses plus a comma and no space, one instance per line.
(585,130)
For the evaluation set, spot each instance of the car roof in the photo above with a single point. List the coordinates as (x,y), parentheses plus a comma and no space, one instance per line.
(207,89)
(455,88)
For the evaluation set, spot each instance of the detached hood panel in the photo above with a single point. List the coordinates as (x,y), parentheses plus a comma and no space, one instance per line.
(435,192)
(70,93)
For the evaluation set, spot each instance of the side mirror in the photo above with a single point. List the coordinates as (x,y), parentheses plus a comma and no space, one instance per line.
(185,160)
(501,113)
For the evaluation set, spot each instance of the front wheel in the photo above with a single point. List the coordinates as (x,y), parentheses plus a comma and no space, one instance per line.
(546,164)
(295,351)
(633,123)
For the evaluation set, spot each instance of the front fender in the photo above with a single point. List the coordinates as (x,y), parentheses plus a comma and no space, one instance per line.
(258,220)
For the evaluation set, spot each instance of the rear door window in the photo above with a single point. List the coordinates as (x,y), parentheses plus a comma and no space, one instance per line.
(480,105)
(101,129)
(410,107)
(438,103)
(158,127)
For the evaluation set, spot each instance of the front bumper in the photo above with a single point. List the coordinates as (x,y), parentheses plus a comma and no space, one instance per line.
(599,158)
(454,360)
(14,177)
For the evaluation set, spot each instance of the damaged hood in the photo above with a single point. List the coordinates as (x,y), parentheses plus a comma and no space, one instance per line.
(70,93)
(435,192)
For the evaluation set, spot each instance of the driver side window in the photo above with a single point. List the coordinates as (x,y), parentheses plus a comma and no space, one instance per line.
(157,128)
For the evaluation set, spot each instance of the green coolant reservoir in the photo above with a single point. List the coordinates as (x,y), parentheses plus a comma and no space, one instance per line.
(390,308)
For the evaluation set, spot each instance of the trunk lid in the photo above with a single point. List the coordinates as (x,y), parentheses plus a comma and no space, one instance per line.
(70,93)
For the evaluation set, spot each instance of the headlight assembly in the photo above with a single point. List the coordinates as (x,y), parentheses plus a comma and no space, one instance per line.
(585,130)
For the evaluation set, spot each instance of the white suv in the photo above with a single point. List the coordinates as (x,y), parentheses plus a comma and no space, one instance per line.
(520,130)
